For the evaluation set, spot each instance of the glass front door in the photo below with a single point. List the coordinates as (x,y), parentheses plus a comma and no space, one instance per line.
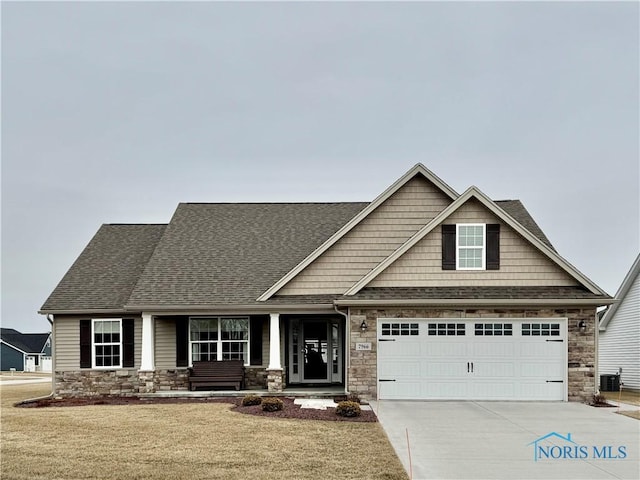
(315,351)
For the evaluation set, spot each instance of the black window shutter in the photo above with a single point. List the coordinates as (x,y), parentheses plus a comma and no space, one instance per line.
(448,247)
(85,343)
(493,246)
(182,342)
(128,342)
(255,347)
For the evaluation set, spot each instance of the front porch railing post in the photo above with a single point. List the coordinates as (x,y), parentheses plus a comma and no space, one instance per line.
(274,342)
(147,363)
(274,371)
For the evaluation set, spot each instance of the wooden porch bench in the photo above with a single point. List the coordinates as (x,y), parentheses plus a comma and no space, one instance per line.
(226,373)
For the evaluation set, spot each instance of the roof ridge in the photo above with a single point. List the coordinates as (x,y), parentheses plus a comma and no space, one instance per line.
(274,203)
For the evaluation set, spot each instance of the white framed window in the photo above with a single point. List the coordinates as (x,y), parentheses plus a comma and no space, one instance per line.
(470,246)
(106,348)
(219,338)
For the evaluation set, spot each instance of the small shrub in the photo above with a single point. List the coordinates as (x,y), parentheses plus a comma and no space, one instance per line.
(348,409)
(599,399)
(272,404)
(249,400)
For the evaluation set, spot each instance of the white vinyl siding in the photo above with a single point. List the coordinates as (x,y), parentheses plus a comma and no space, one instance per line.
(371,241)
(619,344)
(521,264)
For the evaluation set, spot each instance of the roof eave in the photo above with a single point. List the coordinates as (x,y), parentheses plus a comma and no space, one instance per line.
(231,309)
(474,192)
(86,311)
(484,302)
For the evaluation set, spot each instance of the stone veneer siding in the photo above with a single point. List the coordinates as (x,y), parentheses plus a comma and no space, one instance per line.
(87,383)
(255,378)
(362,368)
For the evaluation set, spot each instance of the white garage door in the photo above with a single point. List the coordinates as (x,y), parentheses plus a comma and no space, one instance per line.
(472,359)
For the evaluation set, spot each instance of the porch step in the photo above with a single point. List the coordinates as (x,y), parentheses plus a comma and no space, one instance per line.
(298,393)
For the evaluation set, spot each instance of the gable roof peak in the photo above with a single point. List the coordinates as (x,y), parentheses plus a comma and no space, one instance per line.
(417,169)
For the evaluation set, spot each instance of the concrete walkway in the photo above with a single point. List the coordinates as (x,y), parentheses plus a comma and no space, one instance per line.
(6,380)
(495,440)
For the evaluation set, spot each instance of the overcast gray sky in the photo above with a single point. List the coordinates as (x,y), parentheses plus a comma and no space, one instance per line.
(115,112)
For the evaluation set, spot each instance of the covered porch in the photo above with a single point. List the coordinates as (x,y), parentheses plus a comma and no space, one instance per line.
(289,353)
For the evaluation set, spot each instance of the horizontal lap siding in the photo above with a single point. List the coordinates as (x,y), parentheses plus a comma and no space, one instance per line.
(619,345)
(67,343)
(66,338)
(165,352)
(521,264)
(371,241)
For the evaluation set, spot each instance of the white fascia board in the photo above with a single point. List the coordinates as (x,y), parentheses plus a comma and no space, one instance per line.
(183,310)
(500,213)
(467,302)
(621,293)
(417,169)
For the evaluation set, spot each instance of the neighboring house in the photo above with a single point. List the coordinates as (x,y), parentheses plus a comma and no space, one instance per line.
(423,293)
(619,336)
(26,352)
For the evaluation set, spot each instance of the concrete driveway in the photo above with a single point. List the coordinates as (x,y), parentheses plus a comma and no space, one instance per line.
(506,440)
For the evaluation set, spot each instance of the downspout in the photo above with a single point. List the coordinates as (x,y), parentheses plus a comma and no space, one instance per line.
(347,342)
(53,358)
(32,400)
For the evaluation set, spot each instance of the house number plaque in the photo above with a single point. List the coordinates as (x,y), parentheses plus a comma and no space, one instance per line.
(363,346)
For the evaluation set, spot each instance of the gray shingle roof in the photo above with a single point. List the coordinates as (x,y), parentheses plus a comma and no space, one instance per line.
(209,254)
(453,293)
(218,254)
(106,271)
(516,209)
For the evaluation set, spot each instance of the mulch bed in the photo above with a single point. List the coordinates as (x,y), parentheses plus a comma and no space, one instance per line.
(290,410)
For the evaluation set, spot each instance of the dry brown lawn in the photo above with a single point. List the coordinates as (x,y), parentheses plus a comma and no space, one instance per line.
(185,441)
(626,396)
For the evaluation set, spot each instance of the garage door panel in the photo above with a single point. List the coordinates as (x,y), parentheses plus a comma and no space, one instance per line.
(400,368)
(548,370)
(480,360)
(494,369)
(493,349)
(445,349)
(436,369)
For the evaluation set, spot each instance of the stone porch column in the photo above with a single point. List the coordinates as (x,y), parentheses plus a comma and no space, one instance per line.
(274,370)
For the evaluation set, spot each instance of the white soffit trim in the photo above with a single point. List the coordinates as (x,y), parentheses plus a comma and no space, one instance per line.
(417,169)
(625,286)
(500,213)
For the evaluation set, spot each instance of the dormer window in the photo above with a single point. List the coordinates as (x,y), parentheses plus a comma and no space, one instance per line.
(471,246)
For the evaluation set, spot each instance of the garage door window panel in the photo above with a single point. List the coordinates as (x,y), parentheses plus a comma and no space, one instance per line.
(493,329)
(445,329)
(540,329)
(400,329)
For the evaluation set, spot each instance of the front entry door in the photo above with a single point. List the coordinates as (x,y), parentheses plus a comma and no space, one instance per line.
(315,351)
